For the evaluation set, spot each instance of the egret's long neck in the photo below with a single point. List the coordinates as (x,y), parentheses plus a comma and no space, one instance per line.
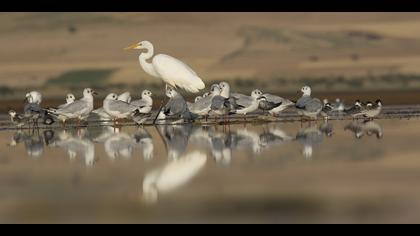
(148,67)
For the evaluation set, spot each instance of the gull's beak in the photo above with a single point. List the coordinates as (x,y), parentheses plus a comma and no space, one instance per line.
(131,47)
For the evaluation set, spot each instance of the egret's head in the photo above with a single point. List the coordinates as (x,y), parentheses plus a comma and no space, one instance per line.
(12,113)
(256,93)
(146,93)
(140,45)
(89,92)
(379,102)
(70,98)
(112,96)
(306,90)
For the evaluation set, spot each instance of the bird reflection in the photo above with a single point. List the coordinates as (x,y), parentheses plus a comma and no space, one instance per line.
(360,128)
(176,138)
(33,142)
(309,138)
(275,136)
(75,143)
(173,175)
(119,144)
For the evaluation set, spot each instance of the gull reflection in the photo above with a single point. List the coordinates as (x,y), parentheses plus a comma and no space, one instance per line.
(75,144)
(144,140)
(176,138)
(173,175)
(309,138)
(275,136)
(360,128)
(34,143)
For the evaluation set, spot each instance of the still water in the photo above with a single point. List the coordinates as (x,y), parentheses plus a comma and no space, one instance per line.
(341,171)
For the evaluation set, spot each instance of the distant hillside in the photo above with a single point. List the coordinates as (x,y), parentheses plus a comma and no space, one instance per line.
(43,49)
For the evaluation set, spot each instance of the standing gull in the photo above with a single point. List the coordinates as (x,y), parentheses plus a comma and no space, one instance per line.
(177,107)
(202,106)
(308,106)
(117,109)
(273,104)
(79,109)
(247,104)
(125,97)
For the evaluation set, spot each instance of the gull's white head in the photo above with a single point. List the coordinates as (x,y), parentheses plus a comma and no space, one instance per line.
(112,96)
(325,101)
(225,89)
(256,93)
(70,98)
(198,98)
(306,90)
(146,93)
(12,113)
(140,45)
(170,92)
(34,97)
(88,92)
(215,90)
(358,103)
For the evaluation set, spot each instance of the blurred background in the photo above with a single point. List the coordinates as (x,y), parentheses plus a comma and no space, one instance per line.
(363,55)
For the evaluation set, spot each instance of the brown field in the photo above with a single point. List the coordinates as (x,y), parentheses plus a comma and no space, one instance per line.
(37,47)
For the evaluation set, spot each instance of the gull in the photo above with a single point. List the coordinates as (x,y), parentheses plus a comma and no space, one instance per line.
(355,110)
(247,104)
(177,107)
(125,97)
(70,98)
(372,109)
(173,175)
(273,104)
(117,109)
(327,110)
(144,104)
(17,119)
(32,109)
(202,106)
(223,104)
(308,106)
(79,109)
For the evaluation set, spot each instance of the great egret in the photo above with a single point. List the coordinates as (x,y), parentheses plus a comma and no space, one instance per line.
(171,70)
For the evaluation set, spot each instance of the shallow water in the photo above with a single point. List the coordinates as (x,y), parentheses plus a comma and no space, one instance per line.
(276,172)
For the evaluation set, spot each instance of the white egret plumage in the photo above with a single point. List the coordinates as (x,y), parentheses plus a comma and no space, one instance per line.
(171,70)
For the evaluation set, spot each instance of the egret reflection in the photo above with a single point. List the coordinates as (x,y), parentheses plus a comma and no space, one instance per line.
(173,175)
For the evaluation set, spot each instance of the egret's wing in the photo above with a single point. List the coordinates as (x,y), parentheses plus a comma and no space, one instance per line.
(177,73)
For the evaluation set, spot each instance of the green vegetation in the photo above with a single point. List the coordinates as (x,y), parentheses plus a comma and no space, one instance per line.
(81,78)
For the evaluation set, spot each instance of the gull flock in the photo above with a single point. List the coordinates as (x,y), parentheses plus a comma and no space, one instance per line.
(219,102)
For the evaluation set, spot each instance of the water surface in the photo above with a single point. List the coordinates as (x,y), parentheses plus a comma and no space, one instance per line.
(341,171)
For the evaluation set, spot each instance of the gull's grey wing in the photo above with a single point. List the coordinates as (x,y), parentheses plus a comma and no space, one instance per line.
(244,101)
(313,105)
(301,103)
(121,106)
(139,103)
(76,107)
(175,106)
(217,102)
